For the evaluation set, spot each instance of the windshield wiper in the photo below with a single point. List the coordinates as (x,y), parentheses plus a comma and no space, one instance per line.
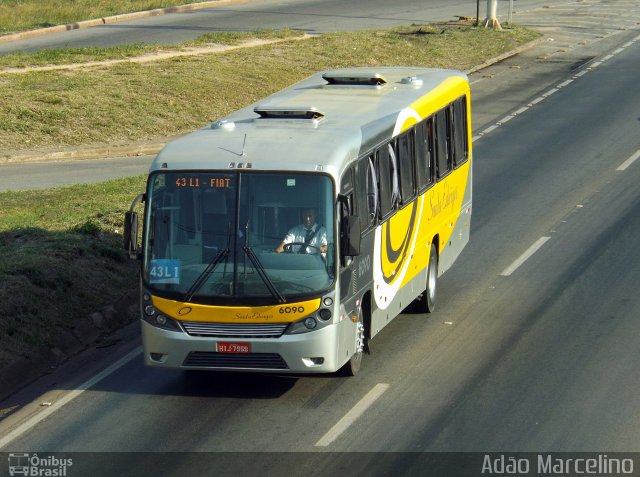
(260,269)
(265,278)
(204,276)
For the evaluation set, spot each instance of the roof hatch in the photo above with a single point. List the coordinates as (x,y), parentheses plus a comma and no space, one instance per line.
(353,78)
(288,112)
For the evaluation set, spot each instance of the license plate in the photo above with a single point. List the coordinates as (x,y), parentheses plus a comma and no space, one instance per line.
(233,347)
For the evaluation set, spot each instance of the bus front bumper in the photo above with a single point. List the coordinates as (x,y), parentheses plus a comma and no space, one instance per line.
(313,352)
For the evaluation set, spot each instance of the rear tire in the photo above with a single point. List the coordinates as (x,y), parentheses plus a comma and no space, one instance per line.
(426,303)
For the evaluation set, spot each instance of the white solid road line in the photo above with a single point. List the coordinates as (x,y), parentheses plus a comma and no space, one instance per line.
(25,426)
(629,161)
(524,257)
(355,412)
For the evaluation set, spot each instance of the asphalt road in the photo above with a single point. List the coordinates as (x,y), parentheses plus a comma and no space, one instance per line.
(38,175)
(541,357)
(311,16)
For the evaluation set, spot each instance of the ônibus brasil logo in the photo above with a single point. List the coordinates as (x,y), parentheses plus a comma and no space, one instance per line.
(33,465)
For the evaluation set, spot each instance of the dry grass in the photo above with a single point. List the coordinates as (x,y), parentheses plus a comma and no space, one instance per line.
(91,54)
(133,102)
(61,261)
(21,15)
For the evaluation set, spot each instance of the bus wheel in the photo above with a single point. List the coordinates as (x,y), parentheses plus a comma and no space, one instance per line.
(352,366)
(426,303)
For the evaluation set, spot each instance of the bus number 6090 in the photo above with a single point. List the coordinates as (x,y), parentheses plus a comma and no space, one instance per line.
(291,309)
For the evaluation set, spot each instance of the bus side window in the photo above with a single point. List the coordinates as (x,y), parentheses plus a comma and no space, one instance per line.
(387,179)
(346,190)
(346,184)
(424,153)
(443,142)
(373,191)
(347,206)
(461,148)
(406,157)
(346,209)
(394,171)
(366,193)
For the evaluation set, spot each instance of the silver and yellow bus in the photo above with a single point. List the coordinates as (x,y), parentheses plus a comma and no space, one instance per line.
(381,160)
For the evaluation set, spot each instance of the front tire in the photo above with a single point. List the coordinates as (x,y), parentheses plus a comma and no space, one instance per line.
(352,366)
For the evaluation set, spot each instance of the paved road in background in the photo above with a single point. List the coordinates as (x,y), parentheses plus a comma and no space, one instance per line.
(311,16)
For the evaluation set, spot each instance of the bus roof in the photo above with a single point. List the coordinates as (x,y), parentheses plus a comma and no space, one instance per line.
(319,124)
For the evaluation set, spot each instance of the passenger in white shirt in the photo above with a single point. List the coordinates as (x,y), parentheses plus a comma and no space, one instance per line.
(308,237)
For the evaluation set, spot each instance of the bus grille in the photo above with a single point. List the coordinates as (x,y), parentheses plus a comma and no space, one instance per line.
(211,359)
(232,330)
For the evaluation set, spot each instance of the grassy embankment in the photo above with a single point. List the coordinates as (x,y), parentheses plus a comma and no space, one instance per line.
(60,256)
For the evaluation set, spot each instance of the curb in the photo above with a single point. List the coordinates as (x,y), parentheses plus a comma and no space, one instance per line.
(85,152)
(112,19)
(508,54)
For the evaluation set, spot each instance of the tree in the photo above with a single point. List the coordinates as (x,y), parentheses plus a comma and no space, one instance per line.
(492,19)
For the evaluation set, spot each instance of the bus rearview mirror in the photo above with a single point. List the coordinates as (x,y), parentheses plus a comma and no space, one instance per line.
(131,234)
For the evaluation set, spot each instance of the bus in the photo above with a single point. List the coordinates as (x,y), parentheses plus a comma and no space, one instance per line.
(377,160)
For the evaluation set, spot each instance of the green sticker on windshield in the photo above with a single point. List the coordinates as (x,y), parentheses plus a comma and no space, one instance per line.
(291,182)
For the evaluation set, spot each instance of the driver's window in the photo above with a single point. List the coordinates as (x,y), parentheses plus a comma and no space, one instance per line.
(346,208)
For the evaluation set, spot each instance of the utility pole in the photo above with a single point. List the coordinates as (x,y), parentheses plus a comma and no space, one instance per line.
(492,15)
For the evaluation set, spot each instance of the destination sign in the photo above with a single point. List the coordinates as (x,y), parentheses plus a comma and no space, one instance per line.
(219,182)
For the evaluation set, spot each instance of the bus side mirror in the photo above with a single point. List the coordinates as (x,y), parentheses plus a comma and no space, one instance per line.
(130,235)
(353,236)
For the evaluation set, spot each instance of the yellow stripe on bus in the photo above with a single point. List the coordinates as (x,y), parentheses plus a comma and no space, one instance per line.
(404,238)
(439,97)
(285,313)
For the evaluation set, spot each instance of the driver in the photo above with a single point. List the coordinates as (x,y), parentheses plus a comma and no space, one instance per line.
(308,237)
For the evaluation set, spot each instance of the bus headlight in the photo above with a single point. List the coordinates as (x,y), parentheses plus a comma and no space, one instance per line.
(310,323)
(155,318)
(161,320)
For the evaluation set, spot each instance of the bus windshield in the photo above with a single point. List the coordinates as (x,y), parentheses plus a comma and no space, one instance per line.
(249,237)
